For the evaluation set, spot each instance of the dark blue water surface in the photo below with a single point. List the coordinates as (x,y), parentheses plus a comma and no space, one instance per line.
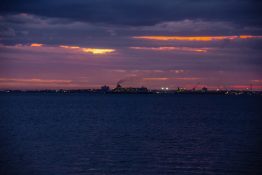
(73,134)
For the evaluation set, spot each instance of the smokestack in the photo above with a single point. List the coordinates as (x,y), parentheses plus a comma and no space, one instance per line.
(121,81)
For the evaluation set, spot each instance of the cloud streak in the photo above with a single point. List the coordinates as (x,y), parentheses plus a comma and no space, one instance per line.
(186,49)
(34,80)
(94,51)
(196,38)
(155,79)
(97,51)
(187,78)
(32,83)
(59,49)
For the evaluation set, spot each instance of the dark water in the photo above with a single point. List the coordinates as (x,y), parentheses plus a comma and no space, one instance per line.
(62,134)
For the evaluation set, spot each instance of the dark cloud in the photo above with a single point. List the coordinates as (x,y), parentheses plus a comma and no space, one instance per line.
(27,29)
(140,12)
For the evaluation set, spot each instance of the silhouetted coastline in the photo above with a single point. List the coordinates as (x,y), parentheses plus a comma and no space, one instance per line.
(141,90)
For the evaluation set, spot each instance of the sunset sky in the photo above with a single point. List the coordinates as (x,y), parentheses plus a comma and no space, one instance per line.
(72,44)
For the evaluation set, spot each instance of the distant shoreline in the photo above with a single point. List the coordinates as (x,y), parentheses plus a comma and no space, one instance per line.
(99,91)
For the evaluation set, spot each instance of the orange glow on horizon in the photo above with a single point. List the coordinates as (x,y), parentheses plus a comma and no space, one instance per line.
(36,45)
(196,38)
(190,49)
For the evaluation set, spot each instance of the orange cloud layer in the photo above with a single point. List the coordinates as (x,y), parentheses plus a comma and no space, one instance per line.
(94,51)
(196,38)
(36,45)
(171,49)
(97,51)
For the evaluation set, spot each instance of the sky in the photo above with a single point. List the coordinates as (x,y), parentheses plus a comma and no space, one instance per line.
(78,44)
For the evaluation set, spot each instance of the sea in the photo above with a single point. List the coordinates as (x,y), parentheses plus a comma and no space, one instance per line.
(130,134)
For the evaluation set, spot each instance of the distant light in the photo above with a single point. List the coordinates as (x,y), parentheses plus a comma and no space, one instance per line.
(166,88)
(162,88)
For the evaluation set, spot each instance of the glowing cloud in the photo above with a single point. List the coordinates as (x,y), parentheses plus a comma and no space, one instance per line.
(94,51)
(97,51)
(196,38)
(249,37)
(188,49)
(36,45)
